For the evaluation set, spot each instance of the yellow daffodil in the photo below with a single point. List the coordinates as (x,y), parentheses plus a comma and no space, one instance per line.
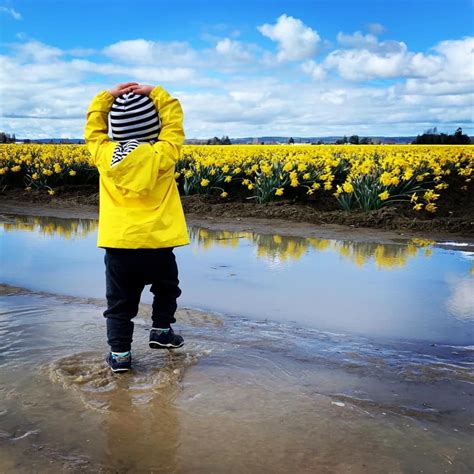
(348,188)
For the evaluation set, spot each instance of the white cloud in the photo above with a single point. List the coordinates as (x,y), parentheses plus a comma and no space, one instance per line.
(438,88)
(334,96)
(226,54)
(249,97)
(52,87)
(459,59)
(12,12)
(367,59)
(233,49)
(36,51)
(140,51)
(361,64)
(316,71)
(296,41)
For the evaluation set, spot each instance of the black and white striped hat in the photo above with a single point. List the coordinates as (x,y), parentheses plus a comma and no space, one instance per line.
(134,117)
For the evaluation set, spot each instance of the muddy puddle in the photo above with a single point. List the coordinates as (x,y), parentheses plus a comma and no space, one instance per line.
(303,389)
(416,289)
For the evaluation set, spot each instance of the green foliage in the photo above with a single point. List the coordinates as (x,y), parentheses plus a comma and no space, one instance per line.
(368,188)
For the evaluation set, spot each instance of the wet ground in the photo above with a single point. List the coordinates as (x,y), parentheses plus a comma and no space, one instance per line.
(253,389)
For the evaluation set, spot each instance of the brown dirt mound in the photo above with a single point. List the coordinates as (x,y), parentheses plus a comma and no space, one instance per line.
(393,218)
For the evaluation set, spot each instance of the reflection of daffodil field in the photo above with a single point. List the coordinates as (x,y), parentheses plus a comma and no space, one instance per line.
(269,247)
(276,247)
(360,177)
(66,228)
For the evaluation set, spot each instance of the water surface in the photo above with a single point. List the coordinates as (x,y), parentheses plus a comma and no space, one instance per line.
(309,355)
(238,397)
(412,290)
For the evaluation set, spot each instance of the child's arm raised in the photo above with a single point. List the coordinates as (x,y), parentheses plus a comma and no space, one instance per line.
(97,115)
(138,171)
(171,136)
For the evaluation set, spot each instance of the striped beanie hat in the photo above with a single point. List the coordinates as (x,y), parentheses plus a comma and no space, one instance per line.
(134,117)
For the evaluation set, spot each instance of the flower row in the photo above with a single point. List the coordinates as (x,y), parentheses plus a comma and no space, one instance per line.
(358,177)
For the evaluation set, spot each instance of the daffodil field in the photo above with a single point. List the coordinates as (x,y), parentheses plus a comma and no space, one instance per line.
(362,177)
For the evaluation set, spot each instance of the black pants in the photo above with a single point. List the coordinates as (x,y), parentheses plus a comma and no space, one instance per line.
(127,271)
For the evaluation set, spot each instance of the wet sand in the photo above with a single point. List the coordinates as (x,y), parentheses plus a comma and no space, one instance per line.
(236,398)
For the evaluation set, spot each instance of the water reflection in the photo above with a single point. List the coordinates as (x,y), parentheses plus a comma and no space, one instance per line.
(410,290)
(461,302)
(138,436)
(274,248)
(279,249)
(65,228)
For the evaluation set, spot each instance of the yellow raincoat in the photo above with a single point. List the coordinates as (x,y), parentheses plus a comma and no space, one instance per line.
(139,203)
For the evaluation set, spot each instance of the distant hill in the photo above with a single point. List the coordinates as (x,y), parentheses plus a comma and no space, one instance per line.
(308,140)
(251,140)
(55,141)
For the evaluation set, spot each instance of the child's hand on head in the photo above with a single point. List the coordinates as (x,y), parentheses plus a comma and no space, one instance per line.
(120,89)
(143,89)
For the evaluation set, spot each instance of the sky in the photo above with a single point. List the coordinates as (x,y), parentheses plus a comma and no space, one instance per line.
(243,68)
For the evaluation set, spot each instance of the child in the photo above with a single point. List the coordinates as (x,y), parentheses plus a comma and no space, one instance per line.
(141,218)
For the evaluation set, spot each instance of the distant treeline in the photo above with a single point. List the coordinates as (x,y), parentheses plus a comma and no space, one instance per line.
(432,137)
(7,138)
(355,140)
(225,140)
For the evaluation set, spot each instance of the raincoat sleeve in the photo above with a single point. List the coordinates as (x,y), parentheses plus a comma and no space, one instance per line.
(171,138)
(97,141)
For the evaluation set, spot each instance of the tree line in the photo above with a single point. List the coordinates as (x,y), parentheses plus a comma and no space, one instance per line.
(225,140)
(7,138)
(432,137)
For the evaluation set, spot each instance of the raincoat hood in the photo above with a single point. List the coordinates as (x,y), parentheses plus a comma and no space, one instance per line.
(139,203)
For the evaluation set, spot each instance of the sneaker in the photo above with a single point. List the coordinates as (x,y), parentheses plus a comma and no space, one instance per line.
(165,340)
(119,363)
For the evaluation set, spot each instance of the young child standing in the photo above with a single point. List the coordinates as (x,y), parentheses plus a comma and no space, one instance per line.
(141,218)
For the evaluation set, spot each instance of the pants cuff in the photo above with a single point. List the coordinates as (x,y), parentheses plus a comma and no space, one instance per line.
(122,348)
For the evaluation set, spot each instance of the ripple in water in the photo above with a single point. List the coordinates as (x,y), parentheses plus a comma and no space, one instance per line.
(152,373)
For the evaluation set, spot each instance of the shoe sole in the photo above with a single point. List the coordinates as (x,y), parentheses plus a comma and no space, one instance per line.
(157,345)
(118,370)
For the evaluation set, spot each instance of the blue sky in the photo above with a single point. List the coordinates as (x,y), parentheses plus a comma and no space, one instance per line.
(301,68)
